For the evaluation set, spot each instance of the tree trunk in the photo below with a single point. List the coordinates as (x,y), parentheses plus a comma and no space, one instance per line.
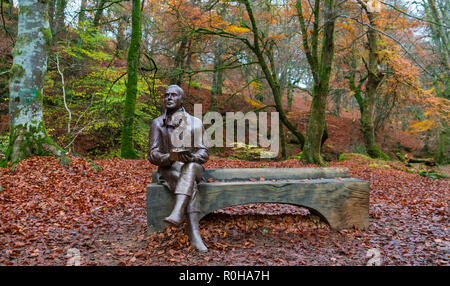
(60,26)
(440,35)
(180,56)
(441,156)
(271,77)
(99,13)
(127,149)
(51,15)
(10,9)
(317,122)
(217,84)
(374,78)
(440,40)
(290,95)
(120,38)
(315,128)
(28,135)
(282,140)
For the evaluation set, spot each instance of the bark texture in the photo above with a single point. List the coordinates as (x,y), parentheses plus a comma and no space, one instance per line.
(28,135)
(374,78)
(316,132)
(127,148)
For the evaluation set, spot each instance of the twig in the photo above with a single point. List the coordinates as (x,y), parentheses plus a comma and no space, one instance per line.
(116,80)
(392,38)
(222,103)
(412,16)
(79,132)
(64,95)
(4,23)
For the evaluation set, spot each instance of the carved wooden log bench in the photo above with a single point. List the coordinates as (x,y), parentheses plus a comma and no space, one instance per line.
(330,193)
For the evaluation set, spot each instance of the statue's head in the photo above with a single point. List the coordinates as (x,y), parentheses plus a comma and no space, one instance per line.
(173,97)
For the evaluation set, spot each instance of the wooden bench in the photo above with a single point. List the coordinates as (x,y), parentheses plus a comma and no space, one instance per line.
(330,193)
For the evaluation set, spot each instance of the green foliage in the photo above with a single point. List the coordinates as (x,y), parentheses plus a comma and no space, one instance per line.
(4,67)
(401,157)
(298,156)
(95,94)
(431,174)
(4,143)
(354,157)
(232,158)
(247,152)
(195,84)
(95,167)
(358,147)
(64,161)
(90,45)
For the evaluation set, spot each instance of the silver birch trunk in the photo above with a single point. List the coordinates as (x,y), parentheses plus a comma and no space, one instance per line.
(28,135)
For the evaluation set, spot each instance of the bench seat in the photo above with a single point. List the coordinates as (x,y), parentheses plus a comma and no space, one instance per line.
(342,201)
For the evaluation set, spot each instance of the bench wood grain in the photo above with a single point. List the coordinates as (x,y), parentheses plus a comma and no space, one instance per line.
(330,193)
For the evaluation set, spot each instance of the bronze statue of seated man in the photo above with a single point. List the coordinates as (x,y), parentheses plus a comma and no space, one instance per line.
(179,167)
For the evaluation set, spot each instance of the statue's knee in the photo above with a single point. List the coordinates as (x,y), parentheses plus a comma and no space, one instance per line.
(193,167)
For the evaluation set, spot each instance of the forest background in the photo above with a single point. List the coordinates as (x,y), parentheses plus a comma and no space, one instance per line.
(357,84)
(365,77)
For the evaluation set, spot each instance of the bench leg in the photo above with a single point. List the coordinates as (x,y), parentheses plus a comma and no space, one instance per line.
(159,205)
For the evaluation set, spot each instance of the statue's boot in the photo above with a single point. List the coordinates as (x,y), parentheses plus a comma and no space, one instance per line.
(194,232)
(183,191)
(177,215)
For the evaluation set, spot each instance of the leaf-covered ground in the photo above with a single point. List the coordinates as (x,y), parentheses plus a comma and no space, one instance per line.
(47,209)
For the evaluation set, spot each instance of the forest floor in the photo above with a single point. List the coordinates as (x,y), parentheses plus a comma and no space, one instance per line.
(98,208)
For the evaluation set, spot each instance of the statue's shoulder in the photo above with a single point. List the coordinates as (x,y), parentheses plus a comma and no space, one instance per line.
(158,121)
(197,121)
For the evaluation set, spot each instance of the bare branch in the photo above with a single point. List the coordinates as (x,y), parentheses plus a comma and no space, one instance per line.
(4,23)
(64,95)
(392,38)
(412,16)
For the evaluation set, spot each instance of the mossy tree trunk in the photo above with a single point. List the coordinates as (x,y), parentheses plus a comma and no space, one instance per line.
(28,135)
(355,86)
(218,76)
(282,140)
(321,67)
(51,15)
(60,28)
(374,78)
(121,38)
(217,84)
(441,156)
(127,148)
(180,57)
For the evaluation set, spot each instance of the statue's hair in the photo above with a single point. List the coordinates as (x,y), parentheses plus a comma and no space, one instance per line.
(178,88)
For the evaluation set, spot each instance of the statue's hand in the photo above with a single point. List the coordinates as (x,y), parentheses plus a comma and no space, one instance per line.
(186,157)
(172,157)
(166,157)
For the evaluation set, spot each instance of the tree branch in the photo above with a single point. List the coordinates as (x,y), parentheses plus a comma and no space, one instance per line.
(392,38)
(4,23)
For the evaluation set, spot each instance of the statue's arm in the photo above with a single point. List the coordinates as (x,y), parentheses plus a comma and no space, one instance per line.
(201,155)
(155,156)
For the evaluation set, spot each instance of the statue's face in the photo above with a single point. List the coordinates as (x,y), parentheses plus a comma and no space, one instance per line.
(172,99)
